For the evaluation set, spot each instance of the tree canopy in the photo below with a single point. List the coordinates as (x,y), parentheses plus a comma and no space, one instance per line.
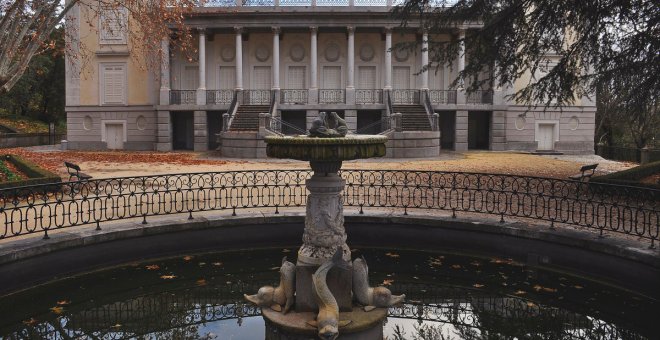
(26,28)
(594,42)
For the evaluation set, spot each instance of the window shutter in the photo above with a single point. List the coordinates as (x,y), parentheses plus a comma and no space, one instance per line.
(367,77)
(296,78)
(332,77)
(114,85)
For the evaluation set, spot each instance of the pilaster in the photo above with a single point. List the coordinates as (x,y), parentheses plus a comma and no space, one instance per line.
(200,131)
(461,135)
(276,58)
(388,58)
(239,57)
(313,95)
(350,69)
(201,89)
(165,72)
(163,131)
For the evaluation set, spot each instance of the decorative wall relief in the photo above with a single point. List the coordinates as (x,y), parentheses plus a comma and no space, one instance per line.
(401,55)
(87,123)
(227,53)
(520,123)
(297,52)
(141,123)
(573,123)
(332,52)
(262,53)
(367,52)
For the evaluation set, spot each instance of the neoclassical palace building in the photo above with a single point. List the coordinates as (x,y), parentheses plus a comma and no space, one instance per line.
(269,66)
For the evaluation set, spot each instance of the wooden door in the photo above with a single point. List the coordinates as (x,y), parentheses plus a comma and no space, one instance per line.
(546,137)
(114,136)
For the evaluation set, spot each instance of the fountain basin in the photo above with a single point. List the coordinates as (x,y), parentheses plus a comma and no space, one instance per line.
(322,151)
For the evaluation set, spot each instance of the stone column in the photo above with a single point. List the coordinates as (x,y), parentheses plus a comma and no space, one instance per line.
(201,89)
(460,93)
(388,58)
(276,58)
(461,134)
(239,58)
(165,72)
(200,131)
(425,60)
(350,70)
(498,131)
(313,67)
(163,131)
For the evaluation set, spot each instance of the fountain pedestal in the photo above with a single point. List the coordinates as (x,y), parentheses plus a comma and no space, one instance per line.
(325,278)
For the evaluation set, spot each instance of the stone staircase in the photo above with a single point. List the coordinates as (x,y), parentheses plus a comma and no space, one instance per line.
(247,118)
(413,117)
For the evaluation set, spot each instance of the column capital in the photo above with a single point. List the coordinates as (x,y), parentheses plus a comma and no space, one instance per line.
(350,29)
(276,29)
(201,30)
(387,29)
(239,29)
(313,29)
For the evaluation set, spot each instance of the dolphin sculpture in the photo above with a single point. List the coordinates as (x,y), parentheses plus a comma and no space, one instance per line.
(327,320)
(371,297)
(279,296)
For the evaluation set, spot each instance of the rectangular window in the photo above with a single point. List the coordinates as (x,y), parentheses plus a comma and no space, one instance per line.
(261,78)
(296,78)
(113,26)
(367,77)
(331,77)
(401,77)
(113,84)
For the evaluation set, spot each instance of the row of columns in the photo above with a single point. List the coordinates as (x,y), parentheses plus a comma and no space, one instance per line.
(201,91)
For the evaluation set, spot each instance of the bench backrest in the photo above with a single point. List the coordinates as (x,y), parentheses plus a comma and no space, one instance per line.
(70,166)
(589,167)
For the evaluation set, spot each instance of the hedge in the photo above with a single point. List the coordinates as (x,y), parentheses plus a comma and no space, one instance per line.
(631,176)
(36,175)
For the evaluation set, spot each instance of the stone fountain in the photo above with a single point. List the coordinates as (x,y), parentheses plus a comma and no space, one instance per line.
(325,294)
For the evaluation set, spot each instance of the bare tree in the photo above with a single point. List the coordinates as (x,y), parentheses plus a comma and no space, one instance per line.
(26,27)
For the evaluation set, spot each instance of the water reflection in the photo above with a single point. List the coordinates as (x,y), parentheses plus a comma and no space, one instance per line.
(132,302)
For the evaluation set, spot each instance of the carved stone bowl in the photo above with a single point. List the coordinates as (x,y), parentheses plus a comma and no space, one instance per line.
(326,154)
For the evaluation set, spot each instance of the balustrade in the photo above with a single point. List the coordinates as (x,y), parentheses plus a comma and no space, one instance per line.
(183,97)
(479,97)
(442,96)
(219,96)
(293,96)
(256,97)
(405,96)
(369,96)
(332,96)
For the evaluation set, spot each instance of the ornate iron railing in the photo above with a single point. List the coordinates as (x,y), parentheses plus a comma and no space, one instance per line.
(369,96)
(442,96)
(293,96)
(405,96)
(284,127)
(332,96)
(256,97)
(219,96)
(183,97)
(479,97)
(600,207)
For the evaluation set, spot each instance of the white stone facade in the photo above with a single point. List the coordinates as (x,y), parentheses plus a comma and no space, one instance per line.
(308,59)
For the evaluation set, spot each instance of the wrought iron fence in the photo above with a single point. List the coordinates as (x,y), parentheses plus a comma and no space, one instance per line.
(600,207)
(332,96)
(183,97)
(219,96)
(256,97)
(405,96)
(369,96)
(294,96)
(442,96)
(479,97)
(628,154)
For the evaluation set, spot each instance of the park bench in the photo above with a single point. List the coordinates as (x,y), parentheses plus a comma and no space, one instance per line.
(585,173)
(74,172)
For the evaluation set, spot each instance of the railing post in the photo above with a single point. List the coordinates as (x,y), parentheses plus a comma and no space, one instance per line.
(225,122)
(644,155)
(436,119)
(398,126)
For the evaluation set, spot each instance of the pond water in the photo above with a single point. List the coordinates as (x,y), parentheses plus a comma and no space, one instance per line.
(449,296)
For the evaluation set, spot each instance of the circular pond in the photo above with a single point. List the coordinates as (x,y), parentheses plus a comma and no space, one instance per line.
(449,296)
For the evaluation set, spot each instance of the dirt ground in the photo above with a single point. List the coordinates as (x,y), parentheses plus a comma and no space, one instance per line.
(126,163)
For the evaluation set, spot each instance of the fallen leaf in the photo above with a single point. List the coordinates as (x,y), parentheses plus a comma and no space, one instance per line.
(392,255)
(152,267)
(63,302)
(520,292)
(200,282)
(57,310)
(387,282)
(456,266)
(274,268)
(30,322)
(578,287)
(531,304)
(286,250)
(477,285)
(537,288)
(202,263)
(187,258)
(168,277)
(549,290)
(217,264)
(475,263)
